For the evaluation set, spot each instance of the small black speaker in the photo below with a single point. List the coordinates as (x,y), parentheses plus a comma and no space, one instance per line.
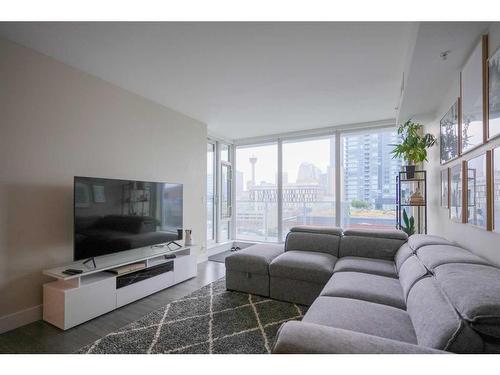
(179,234)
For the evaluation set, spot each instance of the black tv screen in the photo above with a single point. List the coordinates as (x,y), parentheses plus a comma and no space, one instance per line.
(115,215)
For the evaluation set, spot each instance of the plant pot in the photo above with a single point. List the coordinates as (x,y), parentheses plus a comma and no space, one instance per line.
(410,171)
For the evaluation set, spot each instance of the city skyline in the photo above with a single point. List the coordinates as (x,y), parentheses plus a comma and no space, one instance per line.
(312,161)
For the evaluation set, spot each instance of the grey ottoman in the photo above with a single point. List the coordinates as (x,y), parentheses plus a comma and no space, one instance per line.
(248,270)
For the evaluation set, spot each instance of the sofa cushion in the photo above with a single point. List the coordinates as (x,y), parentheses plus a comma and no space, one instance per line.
(303,265)
(436,322)
(416,241)
(435,255)
(295,291)
(366,265)
(366,287)
(308,338)
(410,273)
(377,233)
(362,316)
(402,254)
(369,247)
(254,259)
(313,242)
(474,290)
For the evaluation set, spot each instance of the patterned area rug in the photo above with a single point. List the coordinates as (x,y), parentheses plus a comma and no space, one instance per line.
(210,320)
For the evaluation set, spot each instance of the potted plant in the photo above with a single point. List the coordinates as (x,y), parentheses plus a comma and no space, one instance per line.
(409,227)
(413,146)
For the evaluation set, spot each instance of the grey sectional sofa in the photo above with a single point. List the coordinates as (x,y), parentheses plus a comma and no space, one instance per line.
(376,292)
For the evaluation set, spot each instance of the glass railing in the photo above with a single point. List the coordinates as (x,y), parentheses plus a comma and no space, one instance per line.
(318,213)
(258,221)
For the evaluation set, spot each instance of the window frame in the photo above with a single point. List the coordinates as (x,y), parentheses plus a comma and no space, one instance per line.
(354,132)
(279,187)
(219,222)
(336,132)
(213,239)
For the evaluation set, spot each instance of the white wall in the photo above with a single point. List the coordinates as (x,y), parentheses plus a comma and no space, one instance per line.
(57,122)
(482,242)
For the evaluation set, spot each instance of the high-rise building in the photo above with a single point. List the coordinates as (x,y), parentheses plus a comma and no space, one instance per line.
(369,169)
(308,173)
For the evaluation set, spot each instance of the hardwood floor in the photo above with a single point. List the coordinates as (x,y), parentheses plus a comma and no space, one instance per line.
(41,337)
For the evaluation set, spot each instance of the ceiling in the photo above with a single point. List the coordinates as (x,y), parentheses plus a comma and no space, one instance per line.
(241,79)
(428,76)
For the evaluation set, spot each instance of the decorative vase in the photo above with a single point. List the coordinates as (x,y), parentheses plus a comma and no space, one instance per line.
(188,240)
(416,198)
(410,171)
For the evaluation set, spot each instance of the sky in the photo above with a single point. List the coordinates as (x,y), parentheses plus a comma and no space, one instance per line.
(316,151)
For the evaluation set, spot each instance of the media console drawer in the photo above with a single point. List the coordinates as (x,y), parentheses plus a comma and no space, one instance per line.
(144,274)
(143,288)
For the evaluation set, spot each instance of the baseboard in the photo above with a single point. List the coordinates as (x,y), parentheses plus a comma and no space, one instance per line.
(20,318)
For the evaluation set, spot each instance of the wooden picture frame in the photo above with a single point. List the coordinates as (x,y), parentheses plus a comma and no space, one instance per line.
(445,188)
(495,189)
(473,88)
(449,134)
(493,97)
(489,191)
(456,189)
(476,191)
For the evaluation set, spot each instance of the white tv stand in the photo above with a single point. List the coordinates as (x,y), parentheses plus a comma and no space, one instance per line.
(74,299)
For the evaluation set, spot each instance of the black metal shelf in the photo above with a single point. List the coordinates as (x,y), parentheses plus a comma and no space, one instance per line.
(421,208)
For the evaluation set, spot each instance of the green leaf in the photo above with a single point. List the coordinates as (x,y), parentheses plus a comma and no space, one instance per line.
(413,146)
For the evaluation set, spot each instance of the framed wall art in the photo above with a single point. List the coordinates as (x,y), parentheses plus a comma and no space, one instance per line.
(456,192)
(449,134)
(494,95)
(477,207)
(445,192)
(496,189)
(472,105)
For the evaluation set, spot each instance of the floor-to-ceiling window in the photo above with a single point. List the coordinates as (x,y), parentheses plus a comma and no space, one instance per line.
(308,182)
(256,192)
(226,191)
(342,178)
(211,192)
(220,195)
(368,179)
(226,200)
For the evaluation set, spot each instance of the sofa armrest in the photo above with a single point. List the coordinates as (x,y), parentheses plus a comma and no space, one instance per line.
(308,338)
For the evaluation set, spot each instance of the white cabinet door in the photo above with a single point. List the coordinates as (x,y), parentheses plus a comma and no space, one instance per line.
(89,301)
(185,267)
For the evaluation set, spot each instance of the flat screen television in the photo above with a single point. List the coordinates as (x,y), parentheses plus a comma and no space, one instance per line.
(116,215)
